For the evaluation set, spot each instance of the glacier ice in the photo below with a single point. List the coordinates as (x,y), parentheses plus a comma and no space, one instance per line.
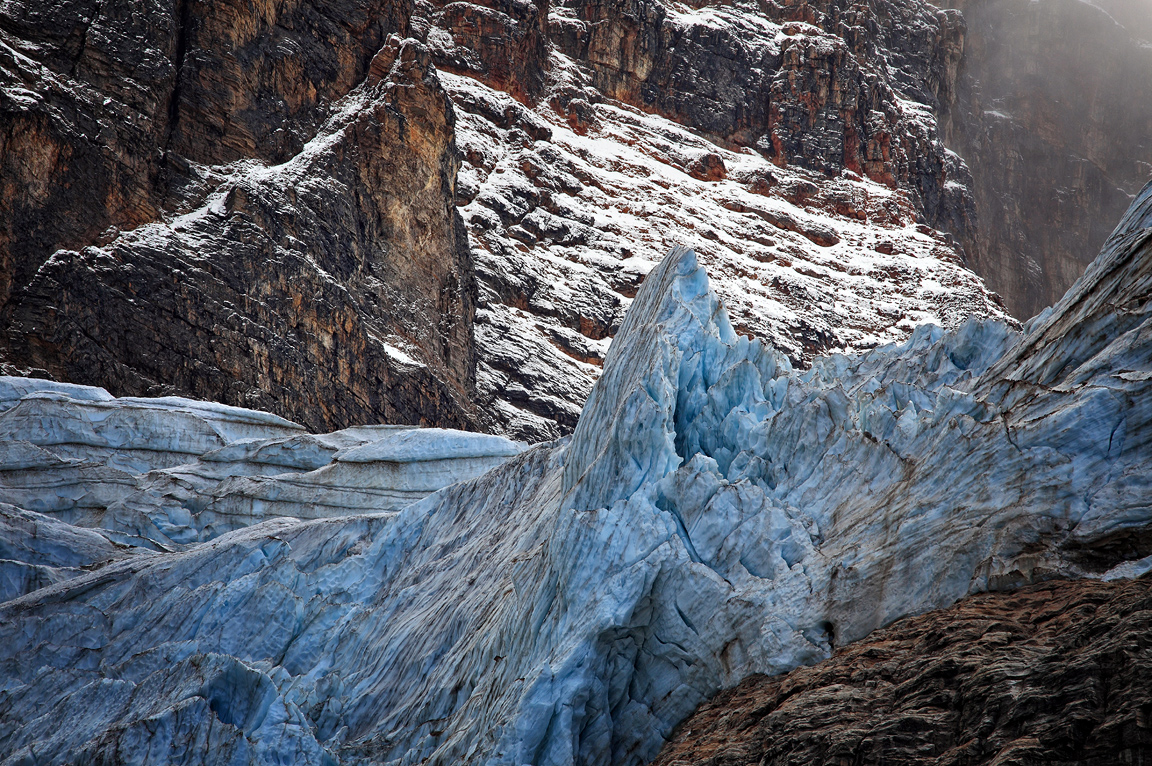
(715,513)
(164,473)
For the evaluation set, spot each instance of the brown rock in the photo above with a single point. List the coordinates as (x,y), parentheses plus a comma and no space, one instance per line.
(335,289)
(824,98)
(502,43)
(708,167)
(104,104)
(1053,674)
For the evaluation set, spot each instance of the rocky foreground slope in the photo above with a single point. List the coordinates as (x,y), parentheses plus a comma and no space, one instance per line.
(714,515)
(1051,674)
(437,213)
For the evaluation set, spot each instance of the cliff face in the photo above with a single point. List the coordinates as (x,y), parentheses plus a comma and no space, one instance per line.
(1054,117)
(1052,674)
(284,181)
(821,85)
(794,147)
(107,103)
(234,202)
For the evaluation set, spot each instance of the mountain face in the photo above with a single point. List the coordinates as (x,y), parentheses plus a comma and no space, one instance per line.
(777,141)
(438,213)
(715,514)
(1053,115)
(236,203)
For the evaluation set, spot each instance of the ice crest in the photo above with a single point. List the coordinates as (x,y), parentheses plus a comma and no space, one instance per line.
(675,377)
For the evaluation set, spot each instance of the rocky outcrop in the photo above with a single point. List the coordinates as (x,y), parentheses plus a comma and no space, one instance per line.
(565,222)
(150,166)
(106,104)
(325,277)
(794,148)
(1051,674)
(1053,117)
(502,43)
(814,84)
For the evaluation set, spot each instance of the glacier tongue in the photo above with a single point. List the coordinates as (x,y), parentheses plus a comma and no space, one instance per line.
(714,514)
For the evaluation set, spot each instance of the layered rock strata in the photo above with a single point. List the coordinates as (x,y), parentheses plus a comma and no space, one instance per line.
(715,514)
(795,148)
(243,204)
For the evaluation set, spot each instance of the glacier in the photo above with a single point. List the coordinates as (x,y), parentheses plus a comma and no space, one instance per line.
(715,513)
(163,473)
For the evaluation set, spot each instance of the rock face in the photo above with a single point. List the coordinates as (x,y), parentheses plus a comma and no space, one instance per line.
(262,206)
(285,186)
(795,148)
(1053,115)
(812,83)
(1053,674)
(565,225)
(258,205)
(715,514)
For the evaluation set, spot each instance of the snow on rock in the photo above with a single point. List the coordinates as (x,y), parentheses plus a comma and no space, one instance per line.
(715,514)
(564,225)
(167,472)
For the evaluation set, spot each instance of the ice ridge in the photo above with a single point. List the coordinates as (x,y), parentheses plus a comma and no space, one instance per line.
(169,472)
(715,514)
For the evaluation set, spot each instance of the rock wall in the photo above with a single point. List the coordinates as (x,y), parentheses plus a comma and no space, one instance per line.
(284,182)
(1054,118)
(778,142)
(796,146)
(819,85)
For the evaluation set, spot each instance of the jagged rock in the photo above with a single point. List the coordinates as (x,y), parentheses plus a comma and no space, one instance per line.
(502,43)
(564,224)
(1051,674)
(105,104)
(365,276)
(715,514)
(1053,116)
(816,84)
(335,288)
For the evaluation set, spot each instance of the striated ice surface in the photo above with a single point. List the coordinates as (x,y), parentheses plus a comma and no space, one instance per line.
(168,472)
(714,514)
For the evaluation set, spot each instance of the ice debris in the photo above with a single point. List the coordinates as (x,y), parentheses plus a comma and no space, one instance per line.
(715,514)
